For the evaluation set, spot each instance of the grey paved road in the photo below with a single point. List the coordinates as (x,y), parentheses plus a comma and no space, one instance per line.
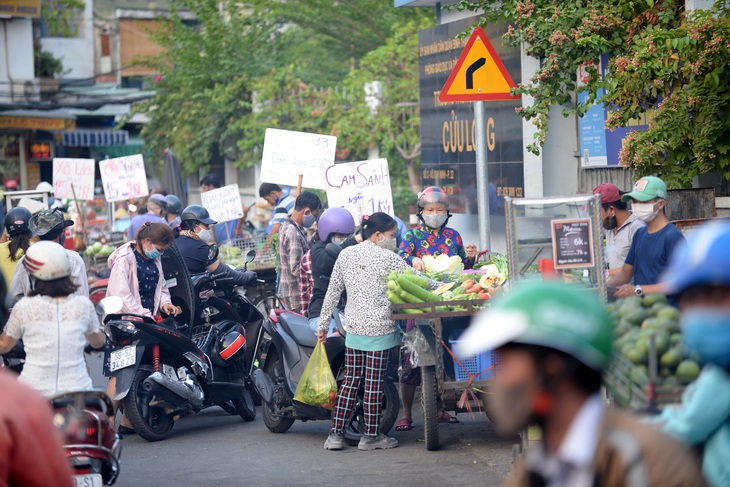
(213,448)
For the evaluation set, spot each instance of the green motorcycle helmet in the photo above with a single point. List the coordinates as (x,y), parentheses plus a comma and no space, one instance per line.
(550,315)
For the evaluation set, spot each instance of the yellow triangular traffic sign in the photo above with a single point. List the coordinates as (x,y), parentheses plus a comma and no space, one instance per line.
(479,74)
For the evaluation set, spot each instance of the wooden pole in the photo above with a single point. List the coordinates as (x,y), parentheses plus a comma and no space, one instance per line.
(299,184)
(81,216)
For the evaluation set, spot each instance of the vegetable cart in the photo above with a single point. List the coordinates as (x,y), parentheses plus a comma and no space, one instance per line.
(459,388)
(263,294)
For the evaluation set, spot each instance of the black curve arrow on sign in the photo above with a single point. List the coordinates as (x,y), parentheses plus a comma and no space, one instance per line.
(470,72)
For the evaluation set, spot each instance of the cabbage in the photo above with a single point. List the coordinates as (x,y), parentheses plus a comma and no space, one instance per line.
(443,265)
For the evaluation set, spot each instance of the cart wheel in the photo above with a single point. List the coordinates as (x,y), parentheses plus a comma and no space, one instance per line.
(429,387)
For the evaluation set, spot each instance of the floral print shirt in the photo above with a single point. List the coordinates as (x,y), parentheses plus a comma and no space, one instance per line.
(422,241)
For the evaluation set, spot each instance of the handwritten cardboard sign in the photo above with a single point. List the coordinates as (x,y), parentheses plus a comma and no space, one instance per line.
(572,243)
(73,176)
(288,154)
(362,187)
(223,204)
(124,178)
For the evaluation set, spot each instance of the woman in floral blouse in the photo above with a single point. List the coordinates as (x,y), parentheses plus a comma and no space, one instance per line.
(432,237)
(361,271)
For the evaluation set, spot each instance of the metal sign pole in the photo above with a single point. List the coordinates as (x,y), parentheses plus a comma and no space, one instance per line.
(480,123)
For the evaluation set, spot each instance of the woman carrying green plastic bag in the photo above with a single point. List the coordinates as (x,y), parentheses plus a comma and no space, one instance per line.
(318,386)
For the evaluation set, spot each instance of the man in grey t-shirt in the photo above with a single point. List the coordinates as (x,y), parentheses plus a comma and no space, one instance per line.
(619,225)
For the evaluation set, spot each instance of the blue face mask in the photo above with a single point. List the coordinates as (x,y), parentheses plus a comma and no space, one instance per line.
(707,333)
(308,220)
(435,220)
(152,254)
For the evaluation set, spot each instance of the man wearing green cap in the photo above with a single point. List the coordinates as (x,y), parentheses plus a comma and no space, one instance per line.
(554,343)
(652,246)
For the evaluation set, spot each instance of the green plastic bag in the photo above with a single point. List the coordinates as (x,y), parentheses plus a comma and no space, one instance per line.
(318,386)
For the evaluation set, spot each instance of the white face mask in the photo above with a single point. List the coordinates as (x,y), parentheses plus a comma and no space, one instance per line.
(338,240)
(388,243)
(644,211)
(204,235)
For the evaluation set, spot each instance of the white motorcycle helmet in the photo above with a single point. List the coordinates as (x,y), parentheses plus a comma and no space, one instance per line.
(47,261)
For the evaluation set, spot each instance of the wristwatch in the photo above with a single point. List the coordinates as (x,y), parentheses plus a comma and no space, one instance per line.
(639,291)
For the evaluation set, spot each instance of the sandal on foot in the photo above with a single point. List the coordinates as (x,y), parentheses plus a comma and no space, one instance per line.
(404,425)
(446,418)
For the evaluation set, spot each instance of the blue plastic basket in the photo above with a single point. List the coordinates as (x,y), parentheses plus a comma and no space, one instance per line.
(473,364)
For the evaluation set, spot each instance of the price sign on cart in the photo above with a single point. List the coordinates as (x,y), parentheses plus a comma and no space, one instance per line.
(124,178)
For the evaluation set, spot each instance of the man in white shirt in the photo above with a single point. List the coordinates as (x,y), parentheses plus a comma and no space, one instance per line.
(48,225)
(619,224)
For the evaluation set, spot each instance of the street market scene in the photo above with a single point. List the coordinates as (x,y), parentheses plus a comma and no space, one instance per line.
(373,242)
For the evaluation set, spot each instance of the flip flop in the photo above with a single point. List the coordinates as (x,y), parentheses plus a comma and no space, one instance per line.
(123,430)
(446,418)
(404,425)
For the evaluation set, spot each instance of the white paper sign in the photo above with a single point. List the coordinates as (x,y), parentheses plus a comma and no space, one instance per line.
(289,154)
(73,176)
(361,187)
(223,204)
(124,178)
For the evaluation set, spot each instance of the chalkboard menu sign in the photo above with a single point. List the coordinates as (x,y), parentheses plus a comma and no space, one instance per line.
(572,243)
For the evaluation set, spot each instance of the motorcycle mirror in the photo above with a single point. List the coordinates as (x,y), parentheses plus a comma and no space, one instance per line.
(250,255)
(110,305)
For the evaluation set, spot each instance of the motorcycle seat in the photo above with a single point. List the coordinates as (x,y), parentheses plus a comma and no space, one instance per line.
(298,328)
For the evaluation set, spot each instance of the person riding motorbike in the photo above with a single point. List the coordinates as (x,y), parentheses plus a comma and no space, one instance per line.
(49,225)
(137,277)
(700,274)
(554,342)
(52,318)
(19,235)
(200,256)
(335,226)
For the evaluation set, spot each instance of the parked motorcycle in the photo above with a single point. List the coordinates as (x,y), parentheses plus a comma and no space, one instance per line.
(91,445)
(171,369)
(287,354)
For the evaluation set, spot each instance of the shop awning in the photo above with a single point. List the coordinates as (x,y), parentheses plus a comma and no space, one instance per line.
(92,138)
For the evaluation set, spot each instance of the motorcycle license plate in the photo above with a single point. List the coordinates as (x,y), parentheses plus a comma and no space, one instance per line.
(89,480)
(120,359)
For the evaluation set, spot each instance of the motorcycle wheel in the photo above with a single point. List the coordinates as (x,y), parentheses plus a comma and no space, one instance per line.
(244,406)
(150,423)
(355,426)
(276,424)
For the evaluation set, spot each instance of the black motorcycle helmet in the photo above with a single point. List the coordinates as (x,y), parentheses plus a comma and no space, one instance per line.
(229,347)
(16,221)
(196,213)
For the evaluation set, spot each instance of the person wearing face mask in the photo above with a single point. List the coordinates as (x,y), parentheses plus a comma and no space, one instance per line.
(283,204)
(554,342)
(335,226)
(156,209)
(432,237)
(293,244)
(652,246)
(50,226)
(194,244)
(699,274)
(137,277)
(360,271)
(619,226)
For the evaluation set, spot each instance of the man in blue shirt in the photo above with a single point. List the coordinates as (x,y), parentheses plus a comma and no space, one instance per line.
(652,246)
(282,202)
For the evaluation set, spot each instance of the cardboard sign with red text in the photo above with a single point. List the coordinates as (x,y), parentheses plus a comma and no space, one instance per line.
(124,178)
(73,177)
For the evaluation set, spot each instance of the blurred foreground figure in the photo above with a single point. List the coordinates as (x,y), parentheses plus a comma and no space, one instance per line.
(554,343)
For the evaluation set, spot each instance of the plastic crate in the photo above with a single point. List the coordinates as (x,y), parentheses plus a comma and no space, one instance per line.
(473,364)
(234,253)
